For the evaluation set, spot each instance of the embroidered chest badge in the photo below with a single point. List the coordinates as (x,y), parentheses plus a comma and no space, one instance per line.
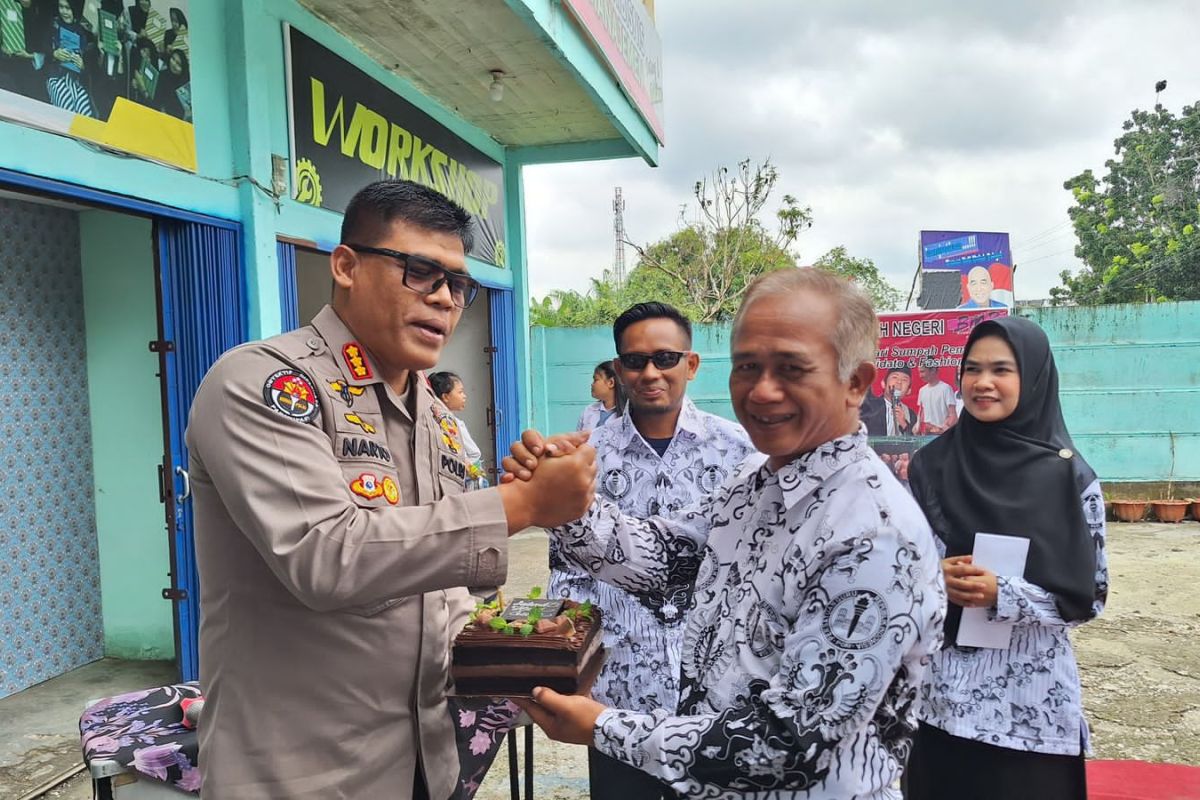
(367,485)
(347,392)
(391,492)
(356,361)
(355,419)
(449,430)
(291,394)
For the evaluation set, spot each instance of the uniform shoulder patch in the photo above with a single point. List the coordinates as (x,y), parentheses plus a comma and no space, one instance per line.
(291,393)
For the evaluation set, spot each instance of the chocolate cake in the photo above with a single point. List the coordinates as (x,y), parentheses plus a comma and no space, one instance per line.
(532,642)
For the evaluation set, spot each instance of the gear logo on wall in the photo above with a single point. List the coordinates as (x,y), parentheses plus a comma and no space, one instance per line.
(308,183)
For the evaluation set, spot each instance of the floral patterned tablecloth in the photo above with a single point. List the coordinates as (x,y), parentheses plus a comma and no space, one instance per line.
(143,731)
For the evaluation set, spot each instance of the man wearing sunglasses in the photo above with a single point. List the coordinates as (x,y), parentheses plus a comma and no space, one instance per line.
(661,455)
(333,537)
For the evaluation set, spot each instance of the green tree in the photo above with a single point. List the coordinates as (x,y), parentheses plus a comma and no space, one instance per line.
(711,260)
(884,296)
(1137,226)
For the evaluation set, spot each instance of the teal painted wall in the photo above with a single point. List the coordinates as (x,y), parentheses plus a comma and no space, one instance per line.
(1130,382)
(1130,377)
(123,389)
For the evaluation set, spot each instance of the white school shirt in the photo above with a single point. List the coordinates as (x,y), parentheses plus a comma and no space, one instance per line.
(818,601)
(936,402)
(644,634)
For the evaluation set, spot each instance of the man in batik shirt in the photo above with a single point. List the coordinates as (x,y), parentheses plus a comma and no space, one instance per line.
(817,586)
(663,454)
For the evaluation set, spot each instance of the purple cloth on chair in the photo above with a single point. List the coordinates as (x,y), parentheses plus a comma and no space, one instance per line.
(143,731)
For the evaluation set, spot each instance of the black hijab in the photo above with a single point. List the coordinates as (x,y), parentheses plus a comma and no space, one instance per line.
(1019,476)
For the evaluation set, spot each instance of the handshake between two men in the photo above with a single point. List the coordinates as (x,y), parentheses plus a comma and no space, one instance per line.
(547,482)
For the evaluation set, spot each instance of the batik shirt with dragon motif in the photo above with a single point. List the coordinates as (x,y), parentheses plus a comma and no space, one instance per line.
(818,600)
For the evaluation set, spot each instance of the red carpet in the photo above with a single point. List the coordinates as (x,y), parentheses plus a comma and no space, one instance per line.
(1138,780)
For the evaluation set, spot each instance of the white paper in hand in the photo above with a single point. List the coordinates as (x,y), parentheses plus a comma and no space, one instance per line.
(1005,556)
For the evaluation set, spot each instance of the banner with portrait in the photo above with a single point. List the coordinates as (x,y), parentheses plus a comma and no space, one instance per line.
(983,262)
(916,395)
(116,73)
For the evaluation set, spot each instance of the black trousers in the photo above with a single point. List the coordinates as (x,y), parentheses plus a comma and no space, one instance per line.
(610,779)
(948,767)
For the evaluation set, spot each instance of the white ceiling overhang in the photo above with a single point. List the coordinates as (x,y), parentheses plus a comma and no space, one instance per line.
(447,50)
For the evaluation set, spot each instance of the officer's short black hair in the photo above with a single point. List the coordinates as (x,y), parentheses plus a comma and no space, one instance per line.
(377,205)
(442,383)
(905,371)
(644,311)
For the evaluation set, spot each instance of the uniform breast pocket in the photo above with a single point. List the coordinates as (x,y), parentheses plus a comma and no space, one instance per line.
(452,473)
(369,485)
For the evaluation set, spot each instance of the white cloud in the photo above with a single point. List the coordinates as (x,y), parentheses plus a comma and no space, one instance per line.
(885,120)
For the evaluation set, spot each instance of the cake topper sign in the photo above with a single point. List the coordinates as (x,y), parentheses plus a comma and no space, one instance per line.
(523,608)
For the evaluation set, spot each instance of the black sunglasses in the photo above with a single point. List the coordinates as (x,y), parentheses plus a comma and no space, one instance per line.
(663,359)
(425,276)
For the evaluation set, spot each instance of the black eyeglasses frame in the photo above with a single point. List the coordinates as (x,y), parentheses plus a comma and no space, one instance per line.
(469,286)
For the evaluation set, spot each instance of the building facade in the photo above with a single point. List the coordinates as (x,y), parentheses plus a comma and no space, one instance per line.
(171,179)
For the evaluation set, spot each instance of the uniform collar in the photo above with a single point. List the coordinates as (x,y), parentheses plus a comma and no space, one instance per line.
(351,357)
(805,474)
(690,421)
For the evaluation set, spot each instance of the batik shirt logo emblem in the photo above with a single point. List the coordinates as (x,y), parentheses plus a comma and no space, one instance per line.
(856,620)
(347,392)
(616,483)
(366,485)
(356,361)
(712,477)
(291,394)
(360,422)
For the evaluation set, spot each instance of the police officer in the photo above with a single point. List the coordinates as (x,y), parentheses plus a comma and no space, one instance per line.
(332,535)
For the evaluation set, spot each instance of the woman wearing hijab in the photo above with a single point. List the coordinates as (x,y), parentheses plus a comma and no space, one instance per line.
(1008,723)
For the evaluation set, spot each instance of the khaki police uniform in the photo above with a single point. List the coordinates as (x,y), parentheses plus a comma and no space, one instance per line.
(332,541)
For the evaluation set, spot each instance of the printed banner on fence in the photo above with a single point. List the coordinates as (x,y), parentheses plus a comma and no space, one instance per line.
(348,130)
(983,261)
(916,392)
(116,76)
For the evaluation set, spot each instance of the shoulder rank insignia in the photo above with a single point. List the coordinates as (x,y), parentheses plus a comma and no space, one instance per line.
(347,392)
(356,361)
(291,394)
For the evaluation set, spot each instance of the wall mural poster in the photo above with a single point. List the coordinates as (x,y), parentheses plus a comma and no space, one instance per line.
(983,261)
(348,130)
(916,395)
(116,73)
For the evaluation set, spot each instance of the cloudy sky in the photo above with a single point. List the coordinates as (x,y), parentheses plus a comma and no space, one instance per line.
(961,115)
